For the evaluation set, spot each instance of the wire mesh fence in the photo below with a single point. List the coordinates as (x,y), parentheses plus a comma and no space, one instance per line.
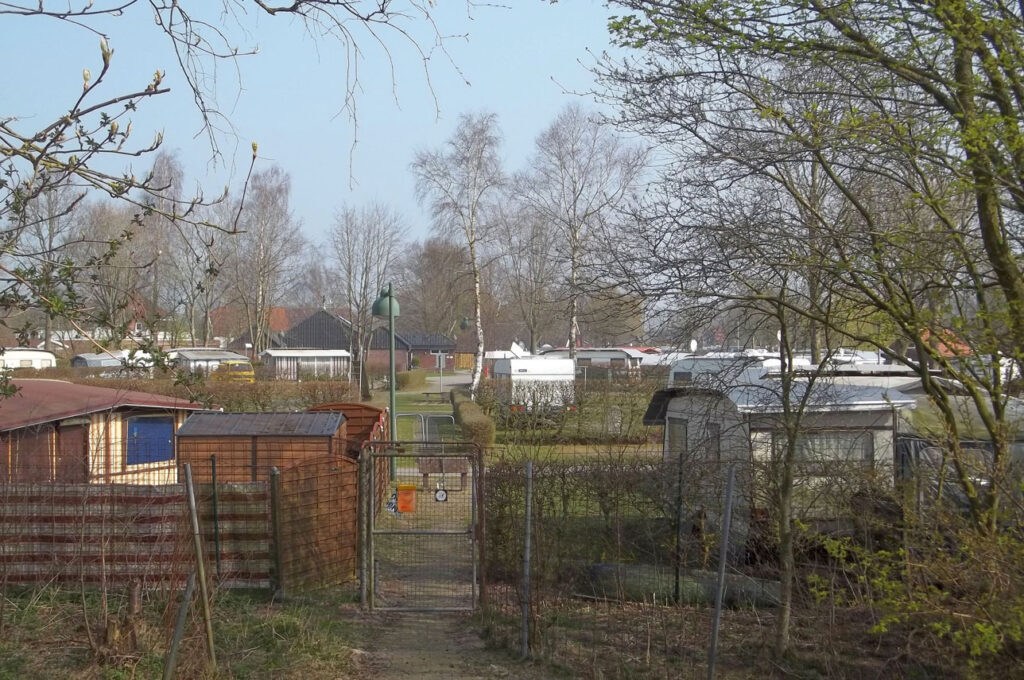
(626,545)
(423,542)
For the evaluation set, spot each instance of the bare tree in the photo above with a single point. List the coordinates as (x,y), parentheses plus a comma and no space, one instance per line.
(106,250)
(265,254)
(44,237)
(364,246)
(579,173)
(460,184)
(529,267)
(436,286)
(89,135)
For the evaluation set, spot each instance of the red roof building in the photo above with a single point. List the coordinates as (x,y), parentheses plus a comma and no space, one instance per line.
(56,431)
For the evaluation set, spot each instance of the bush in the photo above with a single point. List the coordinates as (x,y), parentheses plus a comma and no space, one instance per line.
(410,380)
(239,397)
(476,426)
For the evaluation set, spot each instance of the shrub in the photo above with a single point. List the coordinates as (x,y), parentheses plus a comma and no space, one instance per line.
(476,426)
(410,380)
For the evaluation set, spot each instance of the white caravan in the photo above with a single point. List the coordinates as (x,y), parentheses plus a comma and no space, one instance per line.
(535,384)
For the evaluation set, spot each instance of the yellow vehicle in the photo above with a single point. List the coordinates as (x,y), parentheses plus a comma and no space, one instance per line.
(234,370)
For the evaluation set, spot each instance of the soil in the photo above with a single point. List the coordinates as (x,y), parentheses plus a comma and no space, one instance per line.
(426,646)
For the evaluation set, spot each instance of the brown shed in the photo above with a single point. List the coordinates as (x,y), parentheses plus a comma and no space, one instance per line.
(365,423)
(57,431)
(243,447)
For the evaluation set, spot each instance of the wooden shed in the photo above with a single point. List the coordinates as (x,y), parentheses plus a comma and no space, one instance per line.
(57,431)
(243,447)
(364,422)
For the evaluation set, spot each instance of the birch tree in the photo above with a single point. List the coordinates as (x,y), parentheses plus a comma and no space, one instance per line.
(265,254)
(460,184)
(579,173)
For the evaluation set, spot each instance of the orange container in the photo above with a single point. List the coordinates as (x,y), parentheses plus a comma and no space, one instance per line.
(407,498)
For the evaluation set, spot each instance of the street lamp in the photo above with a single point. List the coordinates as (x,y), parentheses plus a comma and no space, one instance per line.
(386,306)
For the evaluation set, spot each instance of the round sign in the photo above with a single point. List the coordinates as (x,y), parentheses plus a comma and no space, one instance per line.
(440,495)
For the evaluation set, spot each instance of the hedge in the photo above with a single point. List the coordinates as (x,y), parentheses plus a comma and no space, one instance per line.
(476,426)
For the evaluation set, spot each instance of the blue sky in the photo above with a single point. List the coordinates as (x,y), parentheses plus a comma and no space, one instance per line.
(520,61)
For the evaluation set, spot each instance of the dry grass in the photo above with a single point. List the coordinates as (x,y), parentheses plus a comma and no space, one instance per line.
(61,634)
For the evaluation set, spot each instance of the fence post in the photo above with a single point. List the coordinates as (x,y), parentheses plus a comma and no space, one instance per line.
(527,538)
(171,662)
(480,520)
(275,527)
(723,556)
(364,523)
(216,515)
(193,511)
(677,585)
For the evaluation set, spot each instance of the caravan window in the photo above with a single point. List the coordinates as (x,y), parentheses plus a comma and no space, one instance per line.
(675,437)
(836,445)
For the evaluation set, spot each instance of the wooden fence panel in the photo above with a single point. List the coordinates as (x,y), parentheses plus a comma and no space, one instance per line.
(319,522)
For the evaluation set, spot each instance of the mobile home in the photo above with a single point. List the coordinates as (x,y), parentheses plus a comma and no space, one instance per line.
(23,357)
(316,364)
(535,384)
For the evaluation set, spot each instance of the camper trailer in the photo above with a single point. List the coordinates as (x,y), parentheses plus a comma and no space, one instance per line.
(23,357)
(535,384)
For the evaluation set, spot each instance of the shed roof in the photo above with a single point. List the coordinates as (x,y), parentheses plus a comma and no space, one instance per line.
(40,401)
(421,340)
(322,424)
(204,354)
(303,352)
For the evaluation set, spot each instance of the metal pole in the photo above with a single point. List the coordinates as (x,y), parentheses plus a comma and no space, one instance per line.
(677,586)
(393,462)
(364,525)
(216,515)
(722,558)
(171,662)
(275,521)
(527,539)
(197,540)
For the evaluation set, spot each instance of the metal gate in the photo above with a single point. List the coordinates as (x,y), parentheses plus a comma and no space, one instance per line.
(421,529)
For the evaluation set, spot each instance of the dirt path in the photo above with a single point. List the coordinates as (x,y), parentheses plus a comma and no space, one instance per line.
(415,646)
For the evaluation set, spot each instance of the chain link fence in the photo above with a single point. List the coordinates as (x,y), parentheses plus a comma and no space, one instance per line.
(626,551)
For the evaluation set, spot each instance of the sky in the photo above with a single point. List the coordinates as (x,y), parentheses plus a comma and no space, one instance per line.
(524,61)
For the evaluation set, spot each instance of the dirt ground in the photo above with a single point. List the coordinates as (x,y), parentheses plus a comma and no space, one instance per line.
(426,646)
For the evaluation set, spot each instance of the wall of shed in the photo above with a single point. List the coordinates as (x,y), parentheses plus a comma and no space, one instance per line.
(248,459)
(704,436)
(296,368)
(107,462)
(31,454)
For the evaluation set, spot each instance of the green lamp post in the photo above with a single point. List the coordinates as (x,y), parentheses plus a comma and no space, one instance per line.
(386,306)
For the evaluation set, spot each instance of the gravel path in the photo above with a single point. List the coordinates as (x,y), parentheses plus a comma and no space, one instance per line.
(419,646)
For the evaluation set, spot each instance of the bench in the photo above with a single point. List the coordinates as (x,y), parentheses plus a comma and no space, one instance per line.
(437,466)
